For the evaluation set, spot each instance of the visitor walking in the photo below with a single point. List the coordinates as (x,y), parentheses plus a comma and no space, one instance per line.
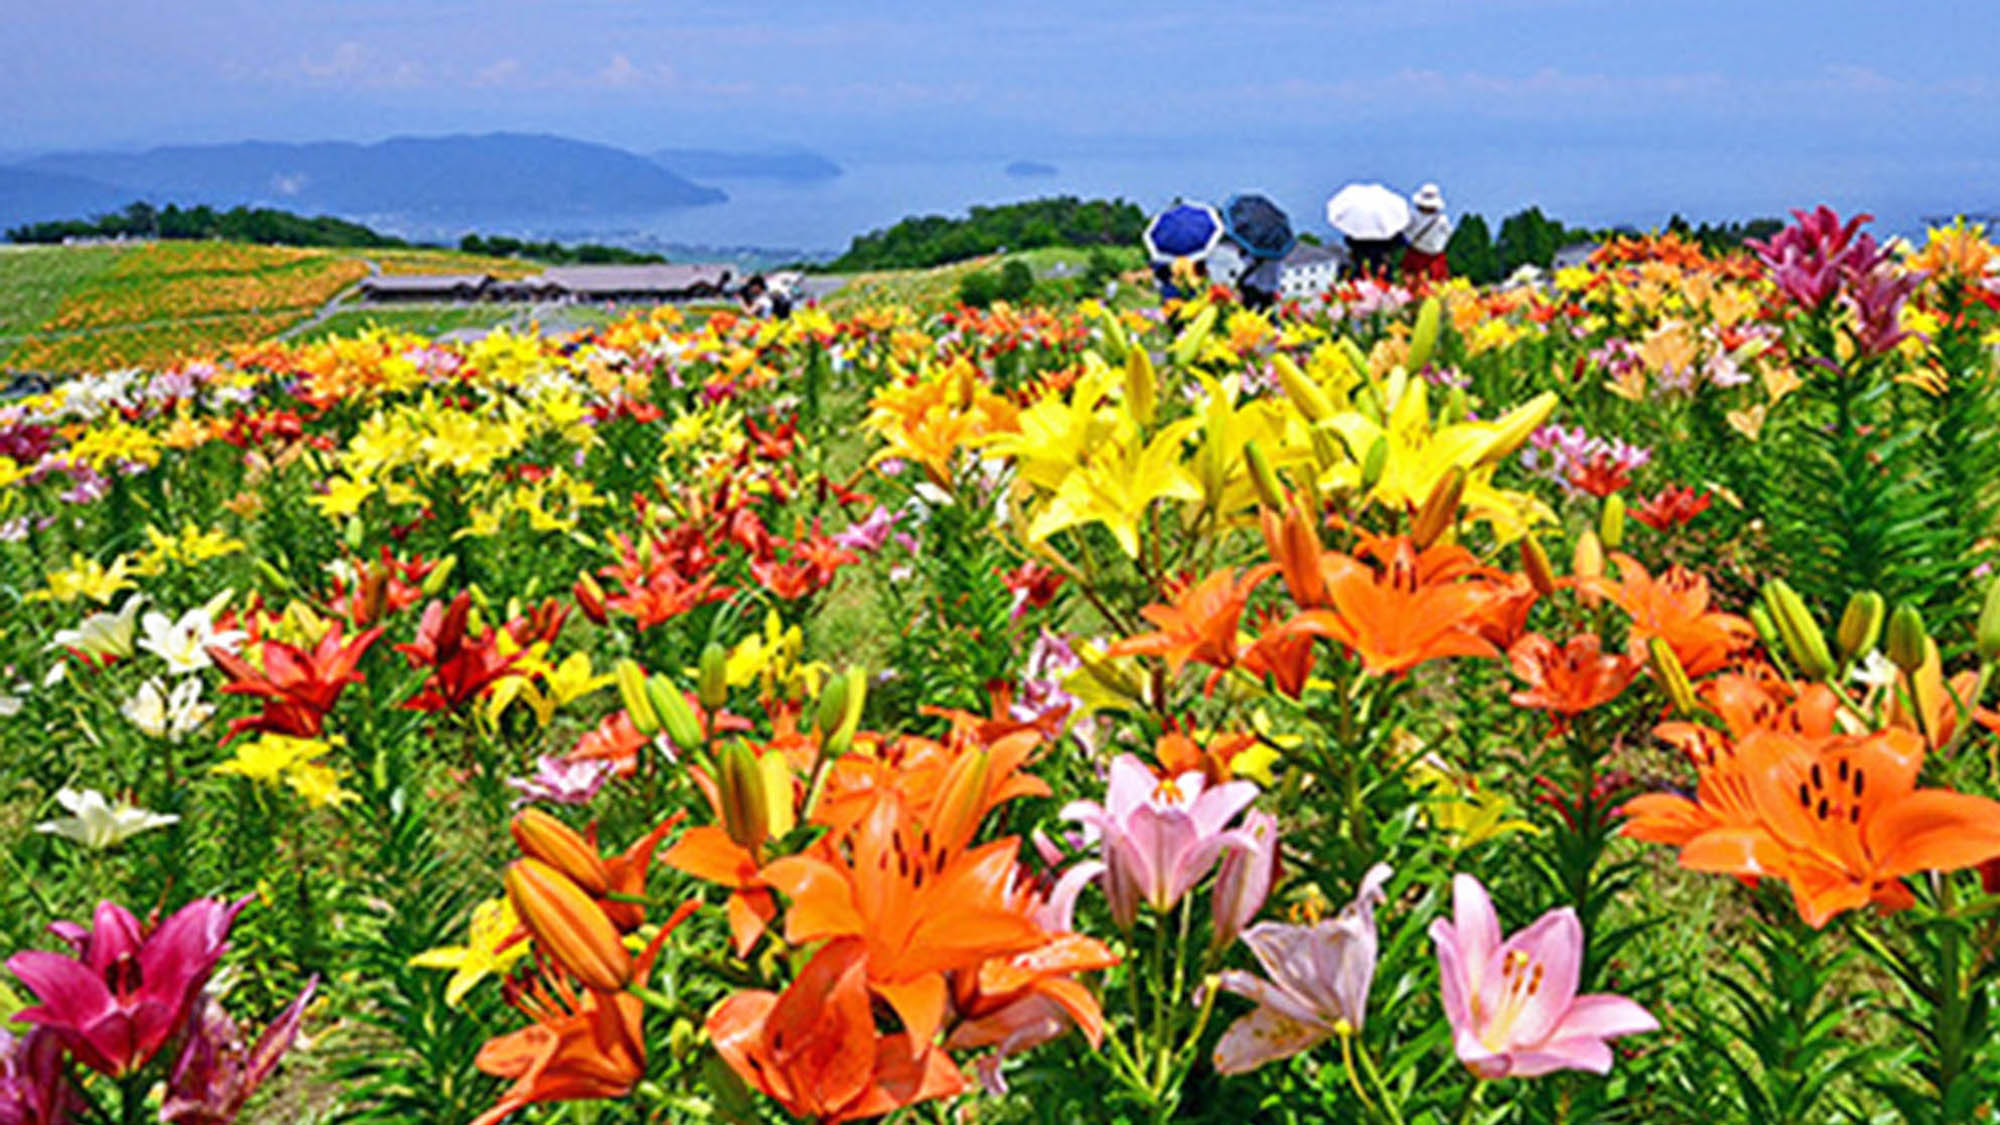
(1428,234)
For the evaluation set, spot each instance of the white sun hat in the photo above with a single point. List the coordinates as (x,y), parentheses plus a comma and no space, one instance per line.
(1428,198)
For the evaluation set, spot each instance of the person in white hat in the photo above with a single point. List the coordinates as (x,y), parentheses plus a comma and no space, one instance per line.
(1427,236)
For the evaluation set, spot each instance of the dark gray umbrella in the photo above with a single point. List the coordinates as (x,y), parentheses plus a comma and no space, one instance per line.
(1258,225)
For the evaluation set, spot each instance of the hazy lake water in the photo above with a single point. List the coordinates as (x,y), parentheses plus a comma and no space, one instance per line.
(1601,185)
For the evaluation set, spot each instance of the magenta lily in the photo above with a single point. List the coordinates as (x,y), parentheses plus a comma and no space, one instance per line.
(127,991)
(1513,1005)
(215,1075)
(34,1084)
(1160,837)
(1810,260)
(1318,986)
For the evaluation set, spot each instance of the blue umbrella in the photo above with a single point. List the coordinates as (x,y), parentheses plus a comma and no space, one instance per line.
(1186,230)
(1258,225)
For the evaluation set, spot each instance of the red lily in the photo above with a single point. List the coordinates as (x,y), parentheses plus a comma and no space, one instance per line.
(302,687)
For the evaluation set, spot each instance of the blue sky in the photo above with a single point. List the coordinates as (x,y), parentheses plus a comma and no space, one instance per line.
(1685,101)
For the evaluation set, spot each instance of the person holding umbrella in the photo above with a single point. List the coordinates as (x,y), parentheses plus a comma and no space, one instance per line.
(1264,232)
(1373,219)
(1183,233)
(1428,234)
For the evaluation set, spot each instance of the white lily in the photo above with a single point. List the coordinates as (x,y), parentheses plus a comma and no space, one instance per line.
(184,644)
(103,633)
(97,823)
(170,715)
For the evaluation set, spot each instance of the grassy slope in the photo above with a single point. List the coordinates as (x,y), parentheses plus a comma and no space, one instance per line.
(938,287)
(99,307)
(66,308)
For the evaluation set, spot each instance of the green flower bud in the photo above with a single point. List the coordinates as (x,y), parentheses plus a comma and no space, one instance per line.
(1860,625)
(1907,638)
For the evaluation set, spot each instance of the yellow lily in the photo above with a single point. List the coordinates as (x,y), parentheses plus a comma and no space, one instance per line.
(1118,486)
(485,952)
(1420,454)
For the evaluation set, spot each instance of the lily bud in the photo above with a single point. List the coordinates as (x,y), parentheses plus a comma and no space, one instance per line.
(1457,406)
(961,800)
(1586,564)
(1672,676)
(1424,337)
(740,788)
(271,574)
(440,574)
(1374,463)
(632,692)
(355,533)
(779,818)
(1986,635)
(1115,341)
(1767,630)
(713,686)
(1356,358)
(543,837)
(1860,625)
(1612,523)
(1440,509)
(1188,345)
(1327,450)
(676,717)
(1907,638)
(1141,385)
(856,699)
(1796,627)
(568,925)
(589,597)
(1300,389)
(1535,564)
(1269,492)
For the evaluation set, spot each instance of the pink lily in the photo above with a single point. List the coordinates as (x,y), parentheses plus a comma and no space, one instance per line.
(1249,867)
(1160,837)
(215,1075)
(1513,1005)
(1318,986)
(562,781)
(127,991)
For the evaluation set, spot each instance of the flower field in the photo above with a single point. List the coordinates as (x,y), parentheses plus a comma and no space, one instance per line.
(94,308)
(1559,703)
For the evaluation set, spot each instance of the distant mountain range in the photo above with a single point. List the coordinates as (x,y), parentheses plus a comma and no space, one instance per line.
(789,164)
(413,181)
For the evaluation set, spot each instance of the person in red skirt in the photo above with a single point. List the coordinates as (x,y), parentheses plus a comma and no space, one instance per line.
(1426,237)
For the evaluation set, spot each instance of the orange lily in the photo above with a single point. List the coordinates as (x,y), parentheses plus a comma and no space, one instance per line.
(814,1047)
(1838,818)
(1199,623)
(917,911)
(1674,607)
(1571,679)
(1414,608)
(1295,546)
(583,1044)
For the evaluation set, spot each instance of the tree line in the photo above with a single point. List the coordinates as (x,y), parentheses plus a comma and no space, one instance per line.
(555,253)
(933,240)
(268,226)
(263,225)
(1530,238)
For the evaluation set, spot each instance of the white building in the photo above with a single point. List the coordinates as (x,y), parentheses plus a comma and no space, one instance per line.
(1308,271)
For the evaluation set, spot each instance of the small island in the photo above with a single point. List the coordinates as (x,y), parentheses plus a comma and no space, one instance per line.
(1025,169)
